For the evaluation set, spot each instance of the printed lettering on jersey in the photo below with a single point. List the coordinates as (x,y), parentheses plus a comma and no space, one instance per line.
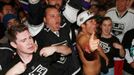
(118,28)
(132,49)
(105,46)
(39,70)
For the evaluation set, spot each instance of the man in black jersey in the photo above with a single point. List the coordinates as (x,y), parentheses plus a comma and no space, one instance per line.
(27,61)
(56,33)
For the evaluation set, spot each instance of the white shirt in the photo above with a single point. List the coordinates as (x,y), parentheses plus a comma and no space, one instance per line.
(121,24)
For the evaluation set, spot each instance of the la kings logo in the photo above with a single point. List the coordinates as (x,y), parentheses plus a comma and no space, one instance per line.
(117,28)
(39,70)
(62,59)
(105,46)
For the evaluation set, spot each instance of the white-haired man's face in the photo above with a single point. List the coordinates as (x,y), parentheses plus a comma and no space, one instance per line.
(121,5)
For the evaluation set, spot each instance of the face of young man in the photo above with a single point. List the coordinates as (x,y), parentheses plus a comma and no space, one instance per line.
(90,26)
(53,19)
(7,9)
(106,27)
(11,22)
(24,43)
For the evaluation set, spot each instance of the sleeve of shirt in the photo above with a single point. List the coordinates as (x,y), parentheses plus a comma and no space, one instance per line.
(70,13)
(51,59)
(128,58)
(71,9)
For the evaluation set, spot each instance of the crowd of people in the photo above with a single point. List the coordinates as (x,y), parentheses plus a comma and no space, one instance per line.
(66,37)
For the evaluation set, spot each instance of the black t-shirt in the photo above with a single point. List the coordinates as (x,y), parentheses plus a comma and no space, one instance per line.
(109,50)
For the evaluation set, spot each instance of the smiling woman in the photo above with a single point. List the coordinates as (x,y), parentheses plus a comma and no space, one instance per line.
(110,44)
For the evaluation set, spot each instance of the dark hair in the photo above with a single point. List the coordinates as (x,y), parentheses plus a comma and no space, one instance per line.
(49,7)
(6,4)
(105,18)
(102,20)
(13,30)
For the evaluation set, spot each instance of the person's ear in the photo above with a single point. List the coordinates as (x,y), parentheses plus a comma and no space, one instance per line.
(13,44)
(82,25)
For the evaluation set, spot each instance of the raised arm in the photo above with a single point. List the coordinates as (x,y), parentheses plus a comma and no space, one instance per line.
(121,49)
(63,49)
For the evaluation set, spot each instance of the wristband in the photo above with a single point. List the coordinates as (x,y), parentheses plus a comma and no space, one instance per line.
(90,56)
(87,49)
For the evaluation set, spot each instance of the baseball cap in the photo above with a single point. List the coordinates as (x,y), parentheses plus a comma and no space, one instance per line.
(8,17)
(83,17)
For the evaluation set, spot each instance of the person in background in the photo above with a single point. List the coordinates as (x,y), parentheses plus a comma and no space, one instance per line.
(7,52)
(128,44)
(22,15)
(110,44)
(6,9)
(94,9)
(8,21)
(122,18)
(58,3)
